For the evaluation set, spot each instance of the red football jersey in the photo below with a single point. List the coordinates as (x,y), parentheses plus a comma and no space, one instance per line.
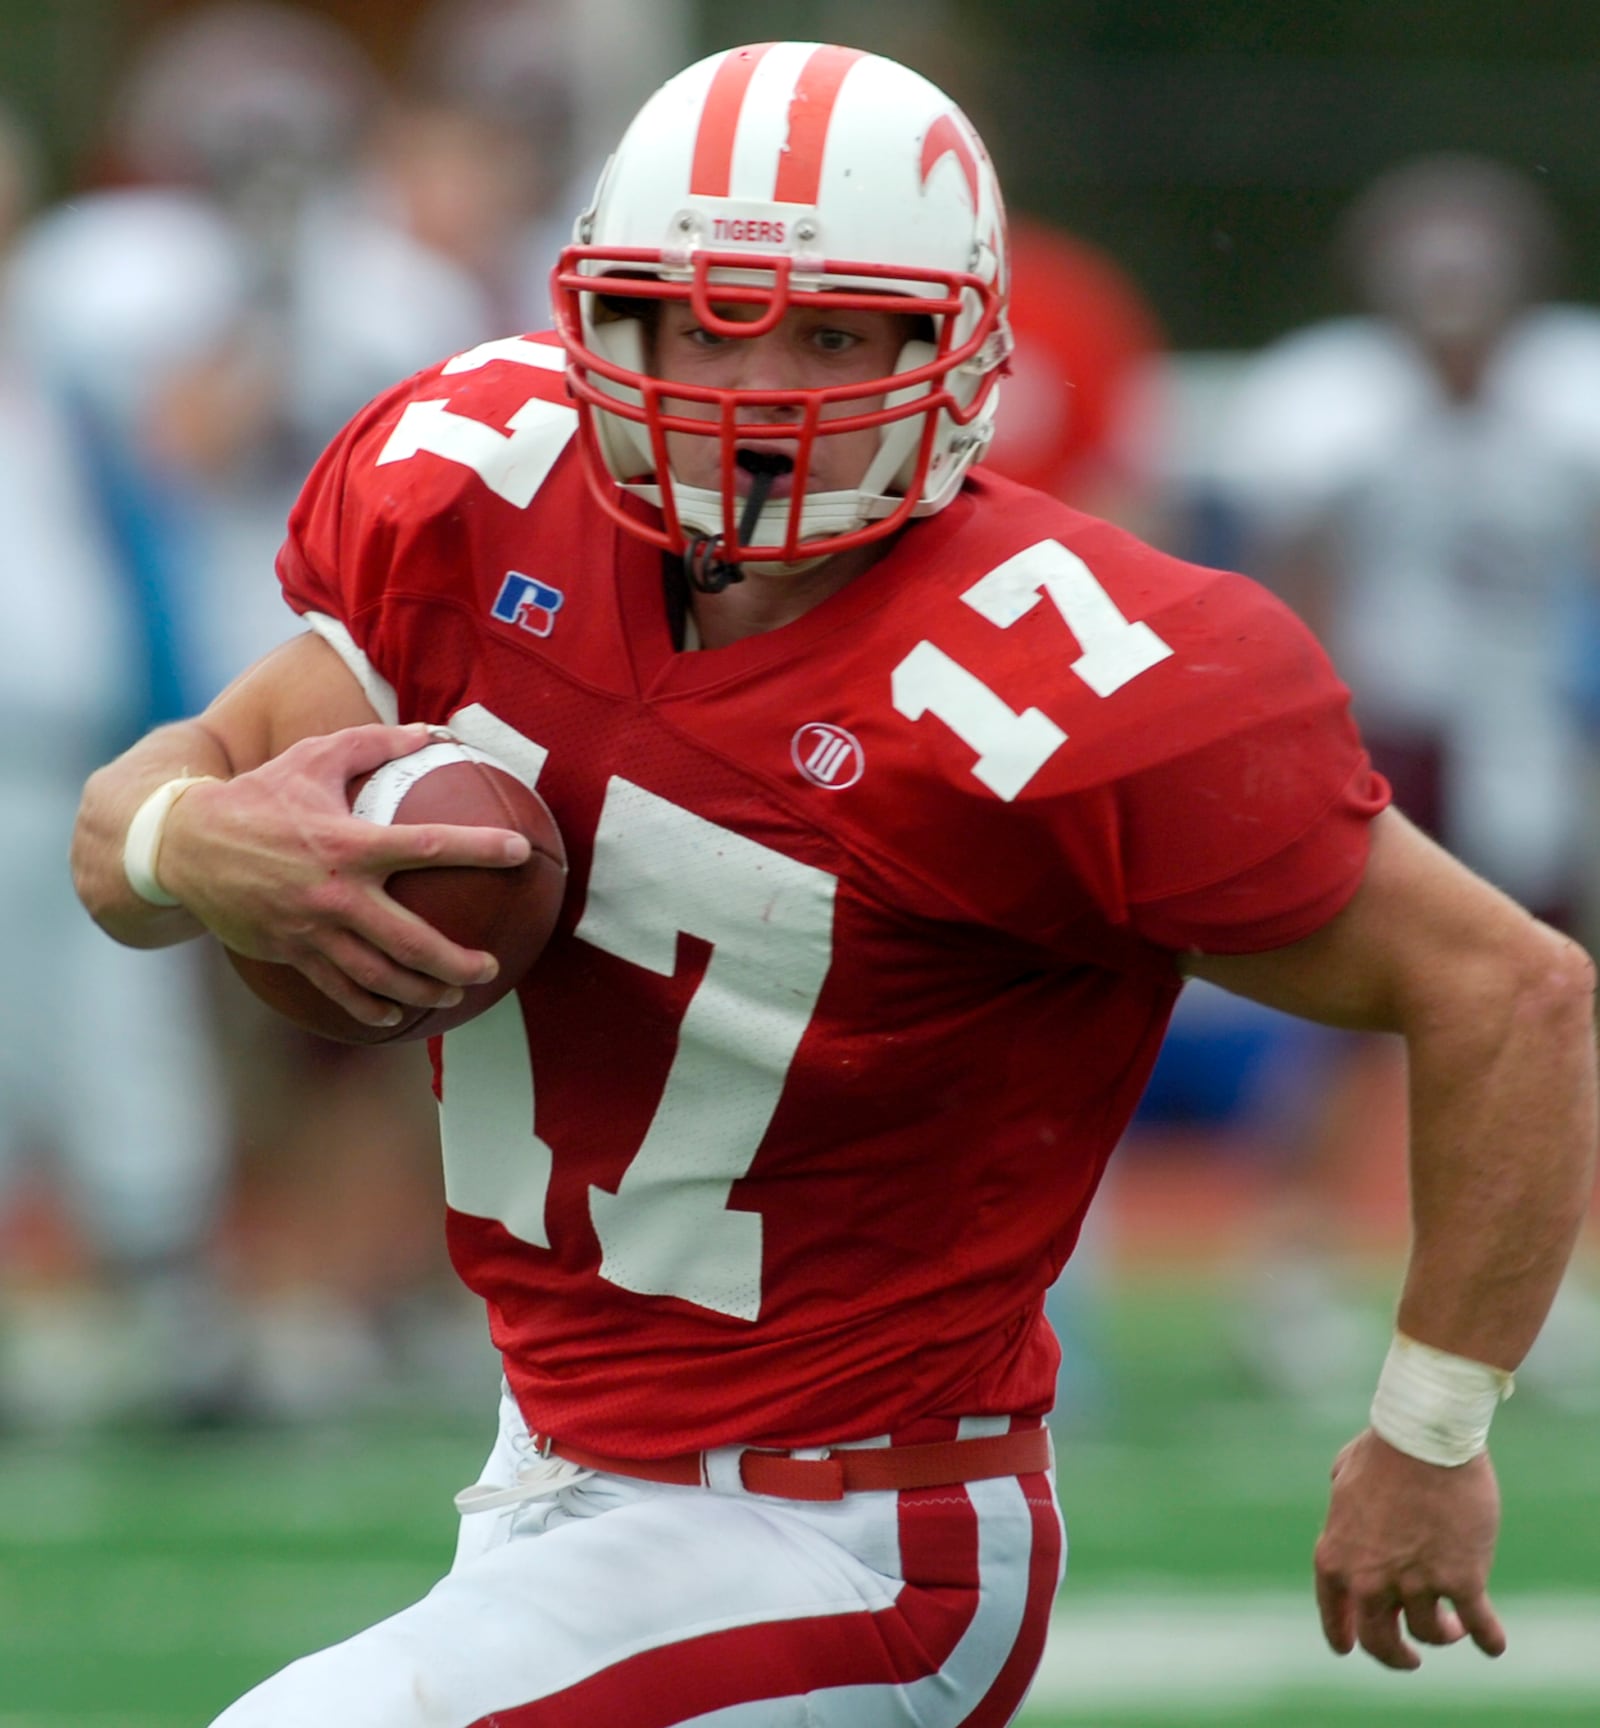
(868,942)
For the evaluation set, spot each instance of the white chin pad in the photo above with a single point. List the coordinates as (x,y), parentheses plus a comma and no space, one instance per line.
(824,513)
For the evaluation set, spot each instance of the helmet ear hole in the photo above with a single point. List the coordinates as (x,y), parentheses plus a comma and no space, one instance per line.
(894,466)
(894,469)
(625,442)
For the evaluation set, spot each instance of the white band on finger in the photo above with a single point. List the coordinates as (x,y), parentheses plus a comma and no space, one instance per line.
(1435,1406)
(142,849)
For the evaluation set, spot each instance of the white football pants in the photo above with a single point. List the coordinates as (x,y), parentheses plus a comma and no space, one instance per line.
(613,1603)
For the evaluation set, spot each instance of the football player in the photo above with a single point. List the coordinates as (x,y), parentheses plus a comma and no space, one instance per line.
(899,800)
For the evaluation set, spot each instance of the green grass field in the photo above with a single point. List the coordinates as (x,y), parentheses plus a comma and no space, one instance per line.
(144,1583)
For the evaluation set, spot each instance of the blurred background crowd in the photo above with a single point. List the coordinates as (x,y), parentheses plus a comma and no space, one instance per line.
(224,226)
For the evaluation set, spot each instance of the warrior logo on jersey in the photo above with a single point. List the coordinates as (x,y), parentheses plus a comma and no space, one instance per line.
(827,755)
(528,603)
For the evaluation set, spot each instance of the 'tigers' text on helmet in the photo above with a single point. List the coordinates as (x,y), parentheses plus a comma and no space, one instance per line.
(748,228)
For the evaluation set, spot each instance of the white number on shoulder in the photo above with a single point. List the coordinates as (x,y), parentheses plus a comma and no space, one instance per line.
(1012,747)
(513,464)
(1114,649)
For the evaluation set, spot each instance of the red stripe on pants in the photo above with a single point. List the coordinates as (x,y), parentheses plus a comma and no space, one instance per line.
(787,1658)
(1004,1697)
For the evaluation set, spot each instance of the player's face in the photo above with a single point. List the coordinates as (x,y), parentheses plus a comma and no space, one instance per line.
(808,349)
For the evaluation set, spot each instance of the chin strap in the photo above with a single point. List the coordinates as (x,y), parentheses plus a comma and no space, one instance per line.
(704,569)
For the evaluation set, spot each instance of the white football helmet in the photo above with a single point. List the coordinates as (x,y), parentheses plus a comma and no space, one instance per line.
(782,175)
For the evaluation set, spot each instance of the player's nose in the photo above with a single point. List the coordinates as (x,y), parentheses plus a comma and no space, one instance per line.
(769,362)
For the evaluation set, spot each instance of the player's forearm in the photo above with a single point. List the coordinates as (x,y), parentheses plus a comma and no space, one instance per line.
(111,797)
(1503,1127)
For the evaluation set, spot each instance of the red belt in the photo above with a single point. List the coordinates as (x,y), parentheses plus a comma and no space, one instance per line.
(851,1470)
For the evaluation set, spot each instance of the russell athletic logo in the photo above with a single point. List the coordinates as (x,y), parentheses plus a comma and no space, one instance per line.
(827,755)
(529,604)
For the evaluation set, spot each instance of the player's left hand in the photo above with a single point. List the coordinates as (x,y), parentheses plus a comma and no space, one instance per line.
(1406,1540)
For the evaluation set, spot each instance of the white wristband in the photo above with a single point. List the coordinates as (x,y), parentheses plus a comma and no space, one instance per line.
(1435,1406)
(142,848)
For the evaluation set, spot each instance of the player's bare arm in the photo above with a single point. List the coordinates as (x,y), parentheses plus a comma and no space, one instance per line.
(1497,1013)
(266,855)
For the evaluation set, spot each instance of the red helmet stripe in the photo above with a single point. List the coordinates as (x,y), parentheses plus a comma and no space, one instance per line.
(810,111)
(945,139)
(712,172)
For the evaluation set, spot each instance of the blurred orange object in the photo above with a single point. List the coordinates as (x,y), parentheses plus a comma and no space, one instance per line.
(1077,411)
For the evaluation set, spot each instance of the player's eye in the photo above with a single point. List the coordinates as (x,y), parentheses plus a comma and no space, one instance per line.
(832,340)
(684,328)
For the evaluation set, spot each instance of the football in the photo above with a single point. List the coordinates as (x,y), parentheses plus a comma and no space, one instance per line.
(507,912)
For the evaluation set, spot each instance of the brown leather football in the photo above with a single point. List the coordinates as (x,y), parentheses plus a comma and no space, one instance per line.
(507,912)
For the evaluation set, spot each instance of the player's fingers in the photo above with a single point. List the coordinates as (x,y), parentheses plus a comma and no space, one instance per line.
(365,747)
(338,757)
(359,1004)
(424,845)
(1378,1633)
(1380,1638)
(1429,1620)
(420,967)
(1477,1615)
(402,936)
(1337,1613)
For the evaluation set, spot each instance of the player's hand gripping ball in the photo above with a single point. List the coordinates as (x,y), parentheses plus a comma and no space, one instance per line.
(506,912)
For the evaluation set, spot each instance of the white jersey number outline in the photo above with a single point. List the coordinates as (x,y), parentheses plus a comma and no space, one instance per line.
(513,464)
(1012,747)
(659,872)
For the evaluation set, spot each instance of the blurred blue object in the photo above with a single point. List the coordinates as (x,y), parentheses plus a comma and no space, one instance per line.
(1230,1064)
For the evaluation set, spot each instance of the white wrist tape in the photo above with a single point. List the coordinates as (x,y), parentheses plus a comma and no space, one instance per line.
(142,848)
(1435,1406)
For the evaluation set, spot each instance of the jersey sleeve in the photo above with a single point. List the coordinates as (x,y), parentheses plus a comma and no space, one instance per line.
(1250,828)
(392,529)
(1276,899)
(336,555)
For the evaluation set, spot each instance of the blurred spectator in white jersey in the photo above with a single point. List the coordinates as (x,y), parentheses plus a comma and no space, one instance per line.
(112,1131)
(555,80)
(276,244)
(361,228)
(513,66)
(165,301)
(1422,479)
